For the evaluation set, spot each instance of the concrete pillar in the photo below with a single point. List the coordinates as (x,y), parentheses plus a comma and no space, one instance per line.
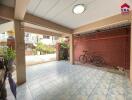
(131,54)
(20,52)
(71,49)
(131,50)
(58,51)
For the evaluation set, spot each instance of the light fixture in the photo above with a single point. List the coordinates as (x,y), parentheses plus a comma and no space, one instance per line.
(79,8)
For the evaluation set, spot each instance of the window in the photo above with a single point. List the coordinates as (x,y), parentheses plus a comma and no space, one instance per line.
(55,37)
(46,37)
(27,34)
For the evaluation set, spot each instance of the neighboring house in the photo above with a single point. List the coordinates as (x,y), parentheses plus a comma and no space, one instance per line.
(32,39)
(49,40)
(3,37)
(35,38)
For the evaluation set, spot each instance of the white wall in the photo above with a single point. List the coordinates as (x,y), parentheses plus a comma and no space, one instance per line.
(6,27)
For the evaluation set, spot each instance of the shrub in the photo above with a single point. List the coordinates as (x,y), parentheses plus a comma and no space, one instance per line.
(9,54)
(45,49)
(64,51)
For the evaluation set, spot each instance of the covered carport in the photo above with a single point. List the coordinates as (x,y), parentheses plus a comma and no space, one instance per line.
(33,22)
(29,23)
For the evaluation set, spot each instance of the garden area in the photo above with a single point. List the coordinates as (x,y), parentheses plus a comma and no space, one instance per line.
(42,49)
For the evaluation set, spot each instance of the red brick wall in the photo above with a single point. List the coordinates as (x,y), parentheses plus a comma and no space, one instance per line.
(113,45)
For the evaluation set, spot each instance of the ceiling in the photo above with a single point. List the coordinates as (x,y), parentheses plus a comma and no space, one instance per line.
(60,11)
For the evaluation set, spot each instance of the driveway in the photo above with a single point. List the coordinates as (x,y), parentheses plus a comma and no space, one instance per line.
(59,80)
(37,59)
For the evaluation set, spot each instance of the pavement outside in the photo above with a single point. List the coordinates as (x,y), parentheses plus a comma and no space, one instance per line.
(38,59)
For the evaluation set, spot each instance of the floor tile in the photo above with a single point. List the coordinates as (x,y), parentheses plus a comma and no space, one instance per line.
(59,80)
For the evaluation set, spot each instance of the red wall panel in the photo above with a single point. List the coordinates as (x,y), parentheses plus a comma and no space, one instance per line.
(112,45)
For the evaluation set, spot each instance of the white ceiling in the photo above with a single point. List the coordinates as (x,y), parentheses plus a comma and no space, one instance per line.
(41,28)
(60,11)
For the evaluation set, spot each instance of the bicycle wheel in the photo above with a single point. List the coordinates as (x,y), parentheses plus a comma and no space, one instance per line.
(89,59)
(83,59)
(98,60)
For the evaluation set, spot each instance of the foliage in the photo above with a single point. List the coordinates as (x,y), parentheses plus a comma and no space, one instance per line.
(64,45)
(64,51)
(9,54)
(50,49)
(40,46)
(45,49)
(34,51)
(1,51)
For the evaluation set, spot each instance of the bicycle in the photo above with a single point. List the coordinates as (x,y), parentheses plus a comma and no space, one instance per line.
(86,57)
(92,58)
(97,60)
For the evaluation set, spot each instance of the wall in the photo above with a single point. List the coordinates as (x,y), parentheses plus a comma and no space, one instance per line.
(112,45)
(28,53)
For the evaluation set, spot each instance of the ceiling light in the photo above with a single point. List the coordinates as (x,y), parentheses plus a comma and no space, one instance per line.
(78,9)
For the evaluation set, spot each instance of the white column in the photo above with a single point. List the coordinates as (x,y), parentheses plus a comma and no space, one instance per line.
(71,49)
(20,52)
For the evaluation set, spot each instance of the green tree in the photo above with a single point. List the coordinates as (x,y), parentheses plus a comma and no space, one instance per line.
(64,45)
(45,49)
(40,47)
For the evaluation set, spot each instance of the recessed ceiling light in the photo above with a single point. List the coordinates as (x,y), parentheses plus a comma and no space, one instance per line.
(78,9)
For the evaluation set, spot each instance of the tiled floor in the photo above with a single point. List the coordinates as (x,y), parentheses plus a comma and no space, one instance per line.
(63,81)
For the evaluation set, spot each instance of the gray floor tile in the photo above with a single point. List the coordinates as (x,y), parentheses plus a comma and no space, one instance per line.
(63,81)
